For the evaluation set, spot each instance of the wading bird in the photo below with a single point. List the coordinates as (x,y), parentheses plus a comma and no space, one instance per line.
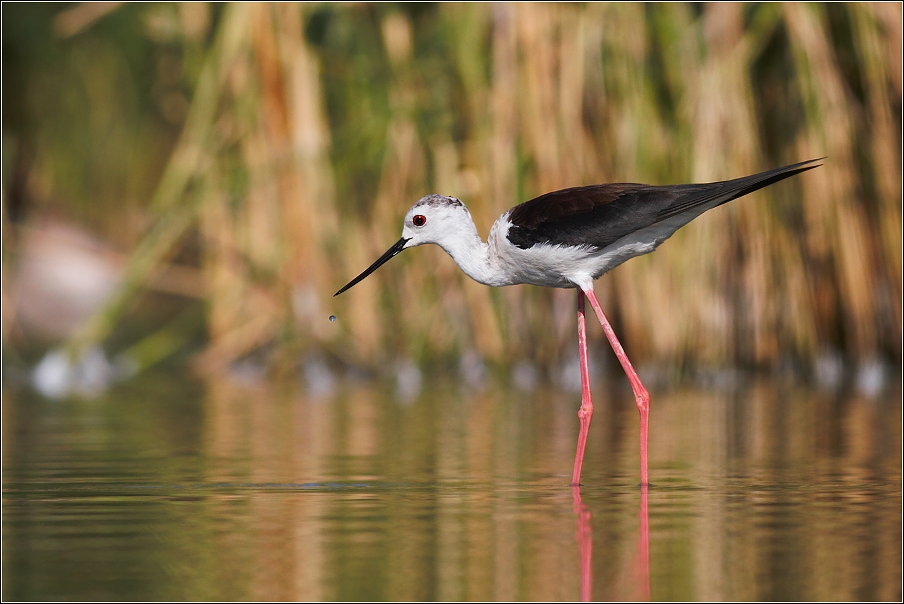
(567,239)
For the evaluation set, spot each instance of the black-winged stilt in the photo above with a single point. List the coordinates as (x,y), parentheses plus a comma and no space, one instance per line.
(567,239)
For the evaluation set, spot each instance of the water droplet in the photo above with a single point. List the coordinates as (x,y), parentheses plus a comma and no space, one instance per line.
(332,318)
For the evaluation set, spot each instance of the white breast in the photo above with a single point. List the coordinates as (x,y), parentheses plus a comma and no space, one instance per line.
(543,264)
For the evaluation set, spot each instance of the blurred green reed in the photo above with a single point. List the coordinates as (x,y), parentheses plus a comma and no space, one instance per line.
(275,148)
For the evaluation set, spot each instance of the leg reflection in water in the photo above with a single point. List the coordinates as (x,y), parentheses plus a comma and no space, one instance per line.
(584,537)
(585,543)
(642,562)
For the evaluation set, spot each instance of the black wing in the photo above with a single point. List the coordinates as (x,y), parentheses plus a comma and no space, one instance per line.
(599,215)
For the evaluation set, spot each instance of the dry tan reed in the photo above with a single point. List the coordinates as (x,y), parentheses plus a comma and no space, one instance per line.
(496,104)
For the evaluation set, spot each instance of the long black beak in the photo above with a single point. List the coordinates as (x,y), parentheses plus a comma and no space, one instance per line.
(398,247)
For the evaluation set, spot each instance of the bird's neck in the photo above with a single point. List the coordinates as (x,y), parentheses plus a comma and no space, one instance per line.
(473,256)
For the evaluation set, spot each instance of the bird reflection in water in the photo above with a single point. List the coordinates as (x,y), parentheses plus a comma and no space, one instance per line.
(584,537)
(642,561)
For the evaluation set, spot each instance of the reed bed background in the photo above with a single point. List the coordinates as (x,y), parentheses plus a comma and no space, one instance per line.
(251,159)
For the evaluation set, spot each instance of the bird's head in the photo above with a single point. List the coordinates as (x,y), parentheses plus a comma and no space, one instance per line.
(433,219)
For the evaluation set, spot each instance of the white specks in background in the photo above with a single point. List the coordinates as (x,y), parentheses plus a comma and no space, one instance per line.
(408,381)
(472,369)
(249,371)
(567,376)
(656,376)
(57,376)
(725,379)
(524,376)
(51,377)
(318,377)
(828,369)
(870,380)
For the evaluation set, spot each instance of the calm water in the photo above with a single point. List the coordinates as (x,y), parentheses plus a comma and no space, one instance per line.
(171,489)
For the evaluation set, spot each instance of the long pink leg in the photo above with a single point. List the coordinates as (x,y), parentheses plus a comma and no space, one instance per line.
(586,411)
(641,396)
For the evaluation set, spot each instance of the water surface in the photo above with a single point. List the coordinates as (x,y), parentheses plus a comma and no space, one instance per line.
(171,489)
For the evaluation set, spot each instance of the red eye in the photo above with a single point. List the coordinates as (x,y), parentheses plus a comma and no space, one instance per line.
(419,220)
